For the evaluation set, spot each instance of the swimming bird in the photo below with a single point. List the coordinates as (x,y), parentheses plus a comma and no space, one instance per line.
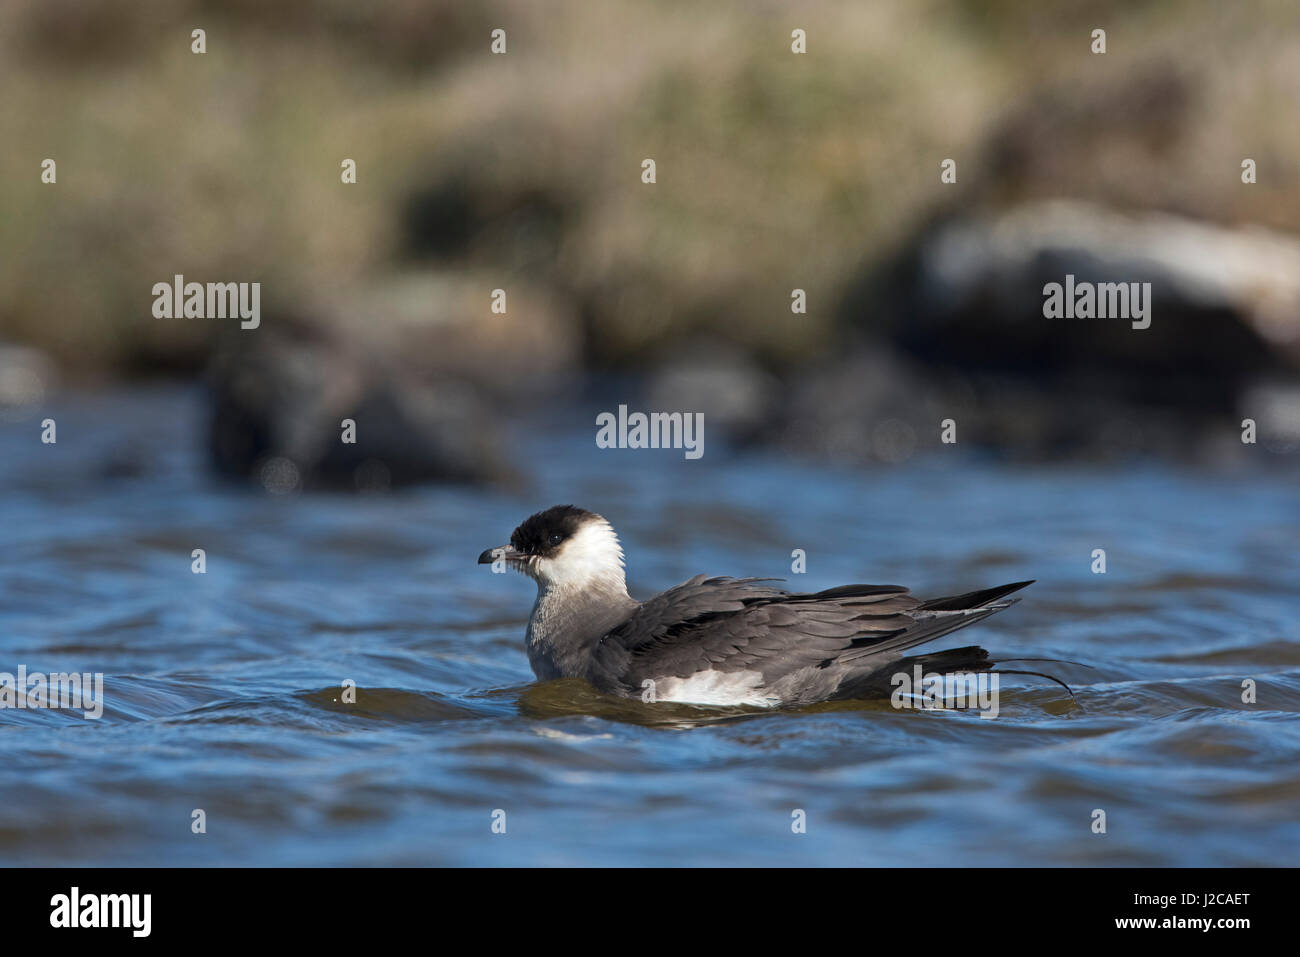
(724,641)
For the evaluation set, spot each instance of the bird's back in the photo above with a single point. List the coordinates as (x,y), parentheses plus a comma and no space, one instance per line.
(745,641)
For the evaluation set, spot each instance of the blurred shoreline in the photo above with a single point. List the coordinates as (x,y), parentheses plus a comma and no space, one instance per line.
(817,178)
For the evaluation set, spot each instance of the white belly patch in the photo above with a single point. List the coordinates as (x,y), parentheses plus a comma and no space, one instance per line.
(716,687)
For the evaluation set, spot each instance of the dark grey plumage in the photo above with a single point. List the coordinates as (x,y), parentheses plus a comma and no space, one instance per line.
(830,644)
(724,640)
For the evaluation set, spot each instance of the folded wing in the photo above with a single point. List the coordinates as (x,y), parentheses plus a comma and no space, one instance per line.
(748,627)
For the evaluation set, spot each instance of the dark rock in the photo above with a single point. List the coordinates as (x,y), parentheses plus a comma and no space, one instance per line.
(420,364)
(965,302)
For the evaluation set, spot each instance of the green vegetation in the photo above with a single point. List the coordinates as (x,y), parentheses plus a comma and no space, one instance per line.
(775,171)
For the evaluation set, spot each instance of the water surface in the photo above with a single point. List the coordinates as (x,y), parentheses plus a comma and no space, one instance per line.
(223,689)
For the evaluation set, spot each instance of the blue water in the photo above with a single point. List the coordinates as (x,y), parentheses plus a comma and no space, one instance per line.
(222,689)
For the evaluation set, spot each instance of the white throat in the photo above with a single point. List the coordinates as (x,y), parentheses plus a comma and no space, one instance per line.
(591,560)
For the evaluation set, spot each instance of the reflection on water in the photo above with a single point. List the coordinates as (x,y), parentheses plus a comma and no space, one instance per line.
(224,690)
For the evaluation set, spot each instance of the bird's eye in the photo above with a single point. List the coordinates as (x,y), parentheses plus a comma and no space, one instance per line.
(556,539)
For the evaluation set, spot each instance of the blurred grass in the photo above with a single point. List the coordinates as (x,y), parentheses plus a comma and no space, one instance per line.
(775,171)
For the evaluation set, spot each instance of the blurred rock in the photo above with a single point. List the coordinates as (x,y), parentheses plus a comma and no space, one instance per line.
(420,363)
(965,301)
(862,406)
(1275,407)
(27,376)
(721,380)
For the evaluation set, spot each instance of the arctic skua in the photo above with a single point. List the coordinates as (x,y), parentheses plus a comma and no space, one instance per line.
(725,641)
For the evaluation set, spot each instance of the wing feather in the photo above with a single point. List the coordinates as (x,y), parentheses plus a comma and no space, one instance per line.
(748,624)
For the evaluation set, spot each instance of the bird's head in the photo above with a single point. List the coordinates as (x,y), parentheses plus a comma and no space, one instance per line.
(563,547)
